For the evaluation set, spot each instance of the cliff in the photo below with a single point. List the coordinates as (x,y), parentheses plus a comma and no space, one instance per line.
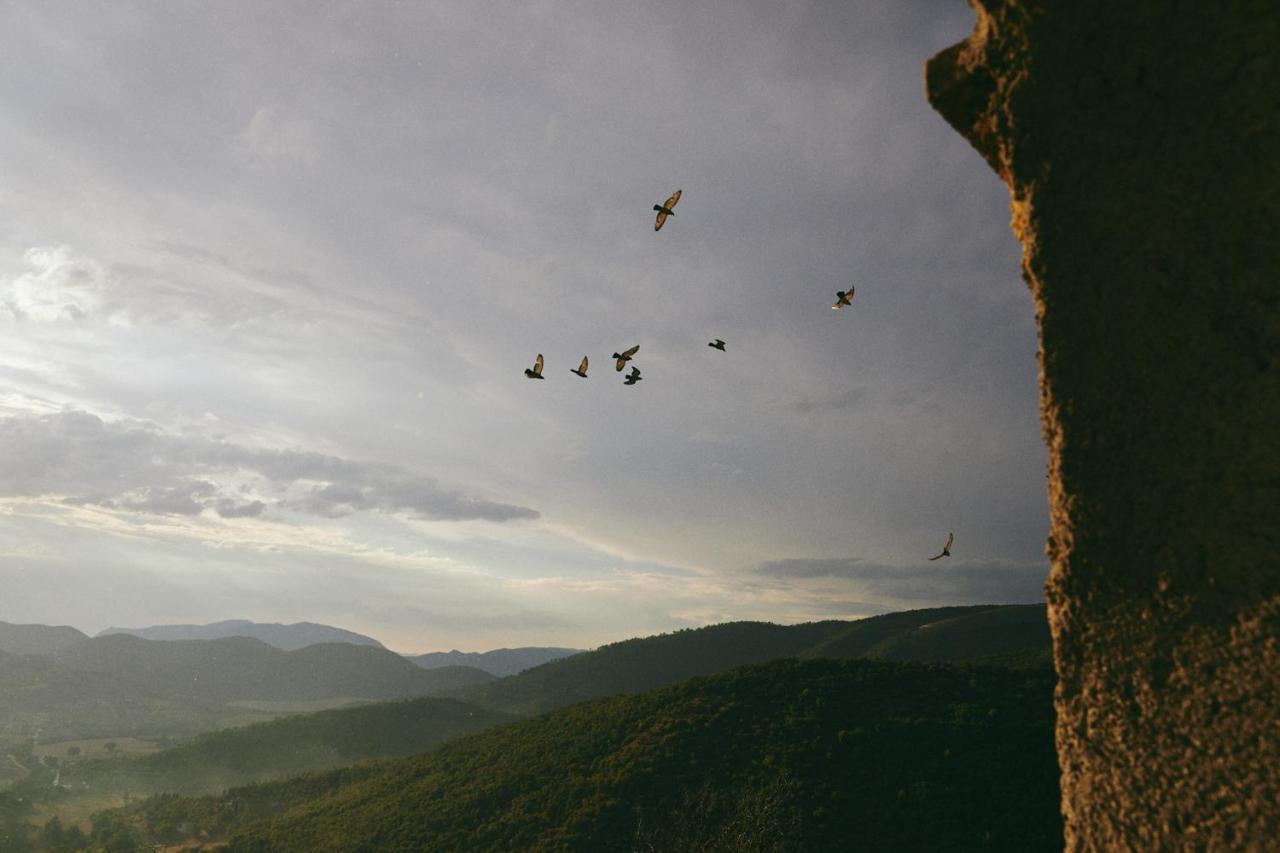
(1140,142)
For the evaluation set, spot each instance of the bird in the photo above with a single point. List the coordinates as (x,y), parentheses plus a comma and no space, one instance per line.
(946,549)
(536,371)
(717,344)
(664,210)
(843,298)
(582,368)
(633,377)
(625,356)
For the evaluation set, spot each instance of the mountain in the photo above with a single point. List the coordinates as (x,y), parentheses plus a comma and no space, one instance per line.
(240,668)
(499,662)
(37,639)
(1010,630)
(288,637)
(288,746)
(633,666)
(791,755)
(40,698)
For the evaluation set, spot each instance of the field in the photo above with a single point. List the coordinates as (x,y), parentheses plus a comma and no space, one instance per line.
(75,811)
(97,748)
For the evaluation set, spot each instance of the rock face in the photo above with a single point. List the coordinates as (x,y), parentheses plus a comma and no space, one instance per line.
(1141,145)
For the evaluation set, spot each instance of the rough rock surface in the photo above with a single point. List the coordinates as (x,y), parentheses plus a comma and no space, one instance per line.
(1141,144)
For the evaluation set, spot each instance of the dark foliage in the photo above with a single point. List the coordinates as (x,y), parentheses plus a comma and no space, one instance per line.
(815,755)
(634,666)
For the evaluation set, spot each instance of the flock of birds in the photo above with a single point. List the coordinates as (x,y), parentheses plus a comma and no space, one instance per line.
(844,298)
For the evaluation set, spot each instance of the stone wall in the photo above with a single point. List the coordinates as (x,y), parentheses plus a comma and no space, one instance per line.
(1141,145)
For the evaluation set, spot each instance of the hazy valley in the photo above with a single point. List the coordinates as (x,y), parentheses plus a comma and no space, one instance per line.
(887,728)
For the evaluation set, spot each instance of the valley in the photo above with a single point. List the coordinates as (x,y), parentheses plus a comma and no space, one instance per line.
(810,732)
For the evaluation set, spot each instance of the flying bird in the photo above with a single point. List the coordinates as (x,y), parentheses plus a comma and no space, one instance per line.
(946,549)
(633,377)
(536,371)
(582,368)
(625,356)
(717,344)
(664,210)
(843,298)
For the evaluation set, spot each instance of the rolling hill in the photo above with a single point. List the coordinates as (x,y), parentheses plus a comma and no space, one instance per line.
(37,639)
(240,668)
(287,637)
(288,746)
(1007,631)
(792,755)
(643,664)
(40,698)
(499,662)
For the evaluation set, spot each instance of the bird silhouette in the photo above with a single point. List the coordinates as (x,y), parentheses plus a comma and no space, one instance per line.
(843,298)
(633,377)
(946,549)
(536,371)
(625,356)
(664,210)
(717,344)
(582,368)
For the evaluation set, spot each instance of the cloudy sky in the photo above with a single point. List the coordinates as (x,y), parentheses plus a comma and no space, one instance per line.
(270,275)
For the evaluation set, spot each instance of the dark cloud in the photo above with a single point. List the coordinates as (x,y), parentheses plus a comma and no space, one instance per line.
(990,582)
(133,465)
(230,509)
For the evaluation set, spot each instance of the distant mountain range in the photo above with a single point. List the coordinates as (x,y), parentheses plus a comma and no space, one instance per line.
(240,668)
(37,639)
(39,698)
(125,685)
(950,746)
(288,637)
(499,662)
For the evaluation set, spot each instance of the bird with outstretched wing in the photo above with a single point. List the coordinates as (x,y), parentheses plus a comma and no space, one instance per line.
(625,356)
(664,210)
(536,371)
(582,368)
(946,549)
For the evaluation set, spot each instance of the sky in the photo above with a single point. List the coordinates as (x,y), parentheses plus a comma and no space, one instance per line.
(270,275)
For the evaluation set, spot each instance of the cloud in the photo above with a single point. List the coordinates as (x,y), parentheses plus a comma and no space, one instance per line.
(57,286)
(977,581)
(275,136)
(134,465)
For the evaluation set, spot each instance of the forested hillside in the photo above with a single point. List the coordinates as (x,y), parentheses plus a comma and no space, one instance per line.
(288,746)
(37,639)
(805,755)
(240,668)
(643,664)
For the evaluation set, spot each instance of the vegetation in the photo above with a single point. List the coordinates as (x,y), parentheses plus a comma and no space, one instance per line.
(36,639)
(637,665)
(287,746)
(827,753)
(40,697)
(225,670)
(756,758)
